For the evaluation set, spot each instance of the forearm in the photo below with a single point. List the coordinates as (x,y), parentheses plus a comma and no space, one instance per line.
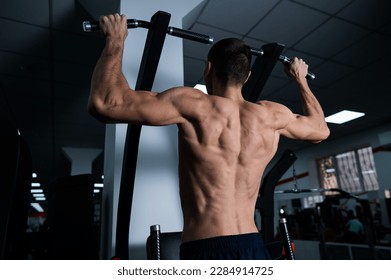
(312,108)
(107,78)
(310,104)
(108,81)
(108,70)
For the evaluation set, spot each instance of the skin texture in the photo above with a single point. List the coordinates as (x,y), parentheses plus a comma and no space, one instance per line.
(225,142)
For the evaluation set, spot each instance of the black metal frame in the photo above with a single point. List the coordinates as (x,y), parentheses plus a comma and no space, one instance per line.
(157,30)
(265,201)
(148,68)
(261,70)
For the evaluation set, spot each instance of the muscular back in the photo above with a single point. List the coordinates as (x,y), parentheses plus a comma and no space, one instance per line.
(223,154)
(225,143)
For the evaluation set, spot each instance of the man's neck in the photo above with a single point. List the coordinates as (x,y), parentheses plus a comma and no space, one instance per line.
(231,92)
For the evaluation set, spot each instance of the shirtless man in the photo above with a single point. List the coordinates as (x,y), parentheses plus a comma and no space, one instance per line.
(225,142)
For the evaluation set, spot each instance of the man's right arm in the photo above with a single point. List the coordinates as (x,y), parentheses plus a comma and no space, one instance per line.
(108,83)
(113,101)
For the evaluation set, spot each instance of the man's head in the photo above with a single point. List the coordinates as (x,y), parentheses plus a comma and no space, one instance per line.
(230,61)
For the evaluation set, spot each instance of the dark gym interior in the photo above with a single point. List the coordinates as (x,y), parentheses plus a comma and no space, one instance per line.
(46,66)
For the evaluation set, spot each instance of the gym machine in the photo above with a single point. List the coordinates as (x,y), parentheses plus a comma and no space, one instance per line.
(265,203)
(158,27)
(266,59)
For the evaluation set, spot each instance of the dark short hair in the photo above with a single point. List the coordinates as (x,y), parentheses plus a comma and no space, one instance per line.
(231,59)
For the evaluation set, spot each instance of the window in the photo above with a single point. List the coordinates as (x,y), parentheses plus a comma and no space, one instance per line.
(368,169)
(311,201)
(328,177)
(352,171)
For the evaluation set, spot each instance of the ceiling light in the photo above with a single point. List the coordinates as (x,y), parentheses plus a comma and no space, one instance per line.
(344,116)
(38,195)
(35,184)
(98,185)
(37,206)
(36,191)
(40,198)
(201,88)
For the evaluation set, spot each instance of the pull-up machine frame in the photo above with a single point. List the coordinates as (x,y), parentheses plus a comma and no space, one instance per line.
(266,59)
(158,27)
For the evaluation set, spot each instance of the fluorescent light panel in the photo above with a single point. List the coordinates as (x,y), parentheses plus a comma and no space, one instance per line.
(344,116)
(36,190)
(37,206)
(201,88)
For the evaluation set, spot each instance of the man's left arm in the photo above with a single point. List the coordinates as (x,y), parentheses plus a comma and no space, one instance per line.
(311,125)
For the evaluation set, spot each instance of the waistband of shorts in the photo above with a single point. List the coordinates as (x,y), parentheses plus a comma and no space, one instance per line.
(224,242)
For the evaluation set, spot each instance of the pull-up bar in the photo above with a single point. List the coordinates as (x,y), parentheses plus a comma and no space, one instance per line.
(281,58)
(266,58)
(89,26)
(157,30)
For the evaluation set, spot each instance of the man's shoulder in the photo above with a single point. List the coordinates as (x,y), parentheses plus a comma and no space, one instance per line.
(267,103)
(186,92)
(271,106)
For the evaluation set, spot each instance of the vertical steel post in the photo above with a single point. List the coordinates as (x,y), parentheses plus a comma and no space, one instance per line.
(149,63)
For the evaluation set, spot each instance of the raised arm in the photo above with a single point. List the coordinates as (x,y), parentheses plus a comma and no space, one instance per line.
(113,101)
(108,83)
(311,126)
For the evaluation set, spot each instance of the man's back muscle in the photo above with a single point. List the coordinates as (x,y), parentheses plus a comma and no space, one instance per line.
(222,157)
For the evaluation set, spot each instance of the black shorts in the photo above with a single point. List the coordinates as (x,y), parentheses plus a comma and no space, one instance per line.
(232,247)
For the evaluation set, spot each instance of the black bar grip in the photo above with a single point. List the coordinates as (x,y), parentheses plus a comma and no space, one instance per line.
(287,60)
(256,52)
(89,26)
(185,34)
(282,58)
